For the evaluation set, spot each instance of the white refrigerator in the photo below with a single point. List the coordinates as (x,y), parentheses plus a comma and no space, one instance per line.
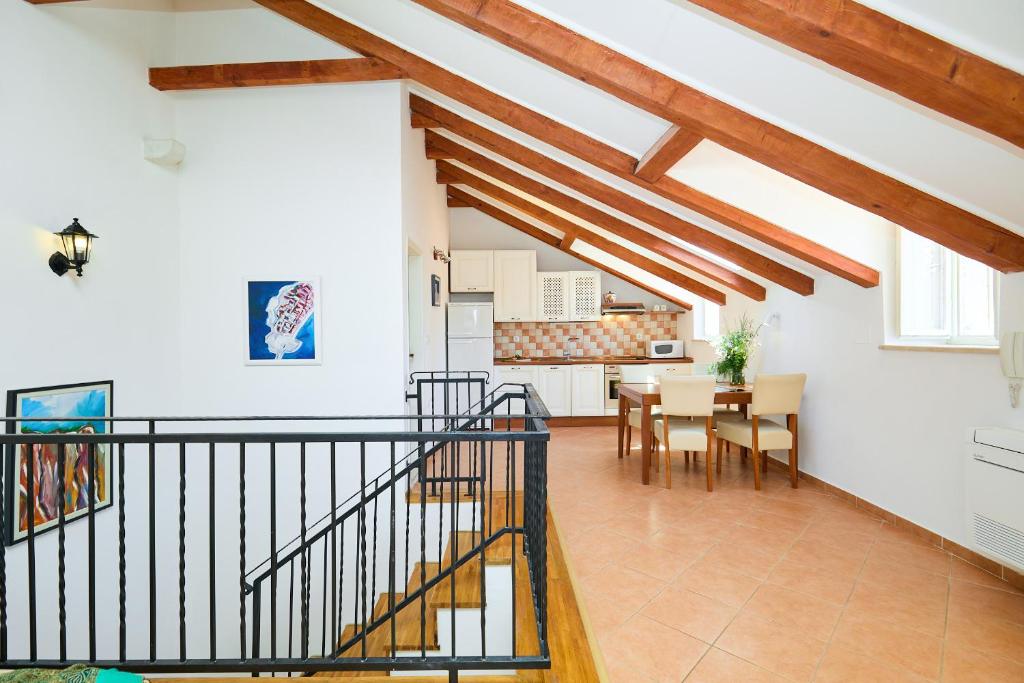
(471,345)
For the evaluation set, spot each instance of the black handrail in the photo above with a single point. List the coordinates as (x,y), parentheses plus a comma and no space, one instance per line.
(333,574)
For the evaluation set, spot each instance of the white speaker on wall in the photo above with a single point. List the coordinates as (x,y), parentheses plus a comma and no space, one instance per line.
(163,152)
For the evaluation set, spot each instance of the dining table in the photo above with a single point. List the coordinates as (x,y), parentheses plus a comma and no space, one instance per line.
(647,395)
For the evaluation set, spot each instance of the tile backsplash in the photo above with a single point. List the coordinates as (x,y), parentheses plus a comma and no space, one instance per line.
(612,335)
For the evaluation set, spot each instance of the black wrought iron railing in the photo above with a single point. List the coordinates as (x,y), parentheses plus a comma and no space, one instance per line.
(135,547)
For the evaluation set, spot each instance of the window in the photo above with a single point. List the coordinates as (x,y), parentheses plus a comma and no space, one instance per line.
(944,297)
(706,317)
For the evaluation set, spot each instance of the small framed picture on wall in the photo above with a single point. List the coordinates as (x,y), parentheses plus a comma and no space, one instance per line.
(435,291)
(43,480)
(284,322)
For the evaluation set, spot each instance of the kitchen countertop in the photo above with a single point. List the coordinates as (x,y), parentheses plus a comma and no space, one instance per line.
(584,360)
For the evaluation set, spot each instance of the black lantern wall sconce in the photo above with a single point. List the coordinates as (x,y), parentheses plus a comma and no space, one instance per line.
(77,244)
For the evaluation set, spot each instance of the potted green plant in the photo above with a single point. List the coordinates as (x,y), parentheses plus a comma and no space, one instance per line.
(734,349)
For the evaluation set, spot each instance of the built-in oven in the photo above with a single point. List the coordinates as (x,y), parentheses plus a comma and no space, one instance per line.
(612,378)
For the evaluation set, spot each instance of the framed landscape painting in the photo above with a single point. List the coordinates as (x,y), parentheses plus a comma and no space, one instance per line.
(77,403)
(284,326)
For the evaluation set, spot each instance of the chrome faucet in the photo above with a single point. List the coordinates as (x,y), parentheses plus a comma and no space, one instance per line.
(569,351)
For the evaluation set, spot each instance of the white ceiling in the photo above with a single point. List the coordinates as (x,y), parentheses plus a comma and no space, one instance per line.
(966,167)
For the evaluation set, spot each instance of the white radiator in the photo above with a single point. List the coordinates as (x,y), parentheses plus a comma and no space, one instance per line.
(995,494)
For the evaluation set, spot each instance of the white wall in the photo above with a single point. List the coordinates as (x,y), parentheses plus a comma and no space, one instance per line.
(84,72)
(425,225)
(74,108)
(299,182)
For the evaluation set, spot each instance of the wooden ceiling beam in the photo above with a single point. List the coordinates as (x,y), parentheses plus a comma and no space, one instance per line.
(535,232)
(675,144)
(689,108)
(433,115)
(673,225)
(583,211)
(893,55)
(449,174)
(209,76)
(563,137)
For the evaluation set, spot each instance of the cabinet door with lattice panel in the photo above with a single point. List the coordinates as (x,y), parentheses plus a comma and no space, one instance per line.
(553,296)
(584,295)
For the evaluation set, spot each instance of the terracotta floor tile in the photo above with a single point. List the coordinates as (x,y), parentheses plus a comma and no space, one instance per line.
(659,562)
(601,543)
(839,561)
(915,610)
(962,665)
(755,561)
(968,573)
(768,577)
(746,531)
(794,509)
(811,616)
(972,629)
(902,577)
(920,557)
(809,578)
(712,580)
(693,614)
(659,652)
(781,649)
(841,665)
(893,534)
(839,538)
(719,666)
(988,602)
(891,645)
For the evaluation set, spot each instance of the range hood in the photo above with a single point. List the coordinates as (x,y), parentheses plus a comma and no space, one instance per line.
(624,308)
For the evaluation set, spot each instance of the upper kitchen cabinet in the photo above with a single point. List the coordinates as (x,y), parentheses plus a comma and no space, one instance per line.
(552,297)
(472,271)
(515,286)
(584,295)
(572,296)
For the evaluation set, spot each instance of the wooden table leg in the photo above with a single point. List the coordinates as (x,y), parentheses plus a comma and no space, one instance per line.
(645,441)
(623,411)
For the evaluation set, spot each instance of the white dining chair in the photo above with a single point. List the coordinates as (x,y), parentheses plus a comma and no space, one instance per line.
(772,395)
(685,423)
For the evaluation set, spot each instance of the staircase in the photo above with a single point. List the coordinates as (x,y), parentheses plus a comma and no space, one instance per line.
(450,610)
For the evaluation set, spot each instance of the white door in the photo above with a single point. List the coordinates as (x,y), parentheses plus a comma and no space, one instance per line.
(515,286)
(515,374)
(587,390)
(584,295)
(470,320)
(553,297)
(555,388)
(472,271)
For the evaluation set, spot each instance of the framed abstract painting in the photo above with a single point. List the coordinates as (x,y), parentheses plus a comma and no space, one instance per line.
(284,322)
(78,405)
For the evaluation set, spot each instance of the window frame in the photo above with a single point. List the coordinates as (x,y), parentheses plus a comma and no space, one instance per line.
(953,338)
(700,317)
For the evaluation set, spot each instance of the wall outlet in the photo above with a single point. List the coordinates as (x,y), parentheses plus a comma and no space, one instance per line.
(516,339)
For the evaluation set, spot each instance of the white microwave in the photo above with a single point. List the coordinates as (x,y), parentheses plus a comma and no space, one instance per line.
(669,348)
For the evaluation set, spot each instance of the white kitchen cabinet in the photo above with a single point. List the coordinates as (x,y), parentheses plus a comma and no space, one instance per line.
(515,286)
(636,373)
(584,295)
(587,390)
(515,374)
(472,271)
(553,297)
(671,369)
(554,384)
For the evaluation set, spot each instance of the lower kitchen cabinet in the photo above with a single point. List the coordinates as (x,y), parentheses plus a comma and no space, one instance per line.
(516,374)
(587,390)
(554,384)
